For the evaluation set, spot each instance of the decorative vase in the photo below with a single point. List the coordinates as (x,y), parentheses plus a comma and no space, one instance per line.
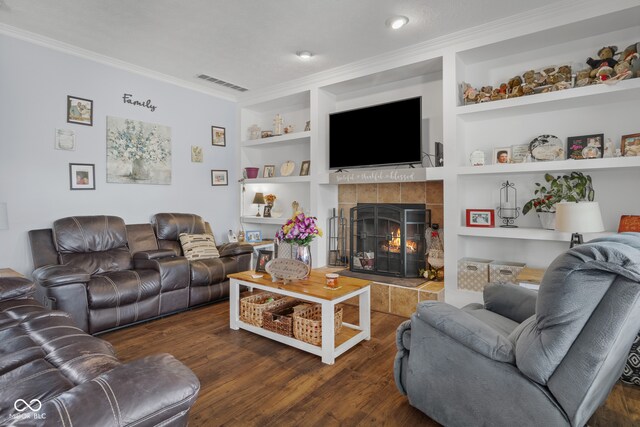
(548,220)
(302,253)
(140,170)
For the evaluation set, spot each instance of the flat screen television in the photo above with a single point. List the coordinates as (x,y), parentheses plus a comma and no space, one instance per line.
(379,135)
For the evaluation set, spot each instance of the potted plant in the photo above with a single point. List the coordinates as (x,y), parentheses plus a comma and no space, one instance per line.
(575,187)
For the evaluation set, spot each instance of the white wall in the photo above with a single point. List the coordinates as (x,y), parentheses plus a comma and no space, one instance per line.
(34,177)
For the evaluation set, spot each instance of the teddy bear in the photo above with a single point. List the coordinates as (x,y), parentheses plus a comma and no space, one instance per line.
(583,78)
(605,59)
(529,77)
(631,55)
(565,70)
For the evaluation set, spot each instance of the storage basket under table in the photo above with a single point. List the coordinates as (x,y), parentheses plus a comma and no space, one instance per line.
(307,324)
(280,319)
(252,307)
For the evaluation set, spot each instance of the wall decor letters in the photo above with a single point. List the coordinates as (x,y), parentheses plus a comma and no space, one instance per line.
(126,98)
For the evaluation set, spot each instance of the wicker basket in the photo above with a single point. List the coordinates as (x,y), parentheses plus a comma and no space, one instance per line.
(252,307)
(307,324)
(280,320)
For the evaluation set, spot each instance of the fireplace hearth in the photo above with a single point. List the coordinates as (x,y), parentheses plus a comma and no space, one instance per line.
(388,238)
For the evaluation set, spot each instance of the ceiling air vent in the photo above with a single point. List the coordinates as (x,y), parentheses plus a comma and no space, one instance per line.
(222,83)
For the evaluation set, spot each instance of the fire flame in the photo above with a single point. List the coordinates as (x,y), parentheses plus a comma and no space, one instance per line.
(395,242)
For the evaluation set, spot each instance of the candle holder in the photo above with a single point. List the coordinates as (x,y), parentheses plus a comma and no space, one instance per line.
(508,211)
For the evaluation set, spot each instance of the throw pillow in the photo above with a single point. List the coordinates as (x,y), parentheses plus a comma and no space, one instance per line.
(198,246)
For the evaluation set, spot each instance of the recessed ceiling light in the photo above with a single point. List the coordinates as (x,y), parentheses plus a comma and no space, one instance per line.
(304,54)
(397,22)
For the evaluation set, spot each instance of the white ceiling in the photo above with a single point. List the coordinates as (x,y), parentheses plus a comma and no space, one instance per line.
(250,43)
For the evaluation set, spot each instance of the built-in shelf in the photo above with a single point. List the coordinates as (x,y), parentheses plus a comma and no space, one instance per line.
(263,220)
(552,166)
(280,140)
(524,233)
(278,180)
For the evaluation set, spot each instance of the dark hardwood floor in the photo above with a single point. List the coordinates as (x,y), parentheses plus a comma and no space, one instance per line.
(247,380)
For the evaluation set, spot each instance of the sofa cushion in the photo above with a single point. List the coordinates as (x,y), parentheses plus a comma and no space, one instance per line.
(205,272)
(198,246)
(119,288)
(168,226)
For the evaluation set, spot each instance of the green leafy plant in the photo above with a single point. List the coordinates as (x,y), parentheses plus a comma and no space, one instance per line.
(575,187)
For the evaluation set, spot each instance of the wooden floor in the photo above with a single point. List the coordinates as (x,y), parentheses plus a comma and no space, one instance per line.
(247,380)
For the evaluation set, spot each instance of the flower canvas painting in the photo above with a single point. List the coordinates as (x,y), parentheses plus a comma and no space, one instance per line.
(138,152)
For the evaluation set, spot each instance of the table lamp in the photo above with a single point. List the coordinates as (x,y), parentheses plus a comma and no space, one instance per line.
(258,199)
(577,218)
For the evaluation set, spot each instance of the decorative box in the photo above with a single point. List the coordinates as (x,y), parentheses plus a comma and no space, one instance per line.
(504,271)
(473,273)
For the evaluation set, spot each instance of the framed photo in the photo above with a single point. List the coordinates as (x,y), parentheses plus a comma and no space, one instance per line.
(481,218)
(218,136)
(501,155)
(269,171)
(264,256)
(267,211)
(65,140)
(630,145)
(585,146)
(219,177)
(305,167)
(79,111)
(519,153)
(196,154)
(82,176)
(253,236)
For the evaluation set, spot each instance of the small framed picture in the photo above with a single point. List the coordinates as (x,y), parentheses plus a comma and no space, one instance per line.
(630,145)
(264,256)
(585,146)
(501,155)
(481,218)
(253,236)
(269,171)
(65,140)
(82,176)
(196,154)
(305,167)
(218,136)
(267,211)
(79,111)
(219,177)
(519,153)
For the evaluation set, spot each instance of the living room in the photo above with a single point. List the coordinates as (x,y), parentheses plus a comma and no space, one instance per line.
(67,108)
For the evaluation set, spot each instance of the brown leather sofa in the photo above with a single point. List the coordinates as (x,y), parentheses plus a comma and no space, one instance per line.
(54,374)
(107,274)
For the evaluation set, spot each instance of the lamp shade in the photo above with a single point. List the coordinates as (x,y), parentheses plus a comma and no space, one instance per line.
(581,217)
(258,199)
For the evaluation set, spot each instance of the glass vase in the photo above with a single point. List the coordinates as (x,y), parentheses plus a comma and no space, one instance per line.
(302,253)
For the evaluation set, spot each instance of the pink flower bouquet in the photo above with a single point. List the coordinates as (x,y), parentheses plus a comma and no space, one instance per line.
(299,230)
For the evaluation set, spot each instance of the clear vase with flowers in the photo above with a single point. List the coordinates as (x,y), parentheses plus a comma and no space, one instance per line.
(299,231)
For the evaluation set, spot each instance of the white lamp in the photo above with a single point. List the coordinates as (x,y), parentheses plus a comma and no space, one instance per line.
(4,217)
(577,218)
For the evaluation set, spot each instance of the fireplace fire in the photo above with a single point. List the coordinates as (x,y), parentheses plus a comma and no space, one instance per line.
(394,244)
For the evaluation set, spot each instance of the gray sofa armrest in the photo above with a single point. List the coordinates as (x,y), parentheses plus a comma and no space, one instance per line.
(56,275)
(155,390)
(231,249)
(467,330)
(511,301)
(15,288)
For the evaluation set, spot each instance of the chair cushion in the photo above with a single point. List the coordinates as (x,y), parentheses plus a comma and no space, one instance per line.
(198,246)
(119,288)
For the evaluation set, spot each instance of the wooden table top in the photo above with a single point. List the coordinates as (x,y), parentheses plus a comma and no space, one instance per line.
(313,286)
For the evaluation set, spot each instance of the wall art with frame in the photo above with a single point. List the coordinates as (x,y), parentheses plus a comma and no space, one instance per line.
(218,137)
(82,176)
(219,177)
(585,146)
(481,218)
(630,145)
(79,111)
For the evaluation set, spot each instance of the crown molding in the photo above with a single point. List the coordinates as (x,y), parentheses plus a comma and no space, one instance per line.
(107,60)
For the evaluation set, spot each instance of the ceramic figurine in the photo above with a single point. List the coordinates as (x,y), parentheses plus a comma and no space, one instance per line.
(608,149)
(277,125)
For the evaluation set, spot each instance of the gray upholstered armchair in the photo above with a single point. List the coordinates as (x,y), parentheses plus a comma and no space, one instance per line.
(522,360)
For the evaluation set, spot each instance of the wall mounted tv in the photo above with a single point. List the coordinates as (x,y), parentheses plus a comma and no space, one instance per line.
(379,135)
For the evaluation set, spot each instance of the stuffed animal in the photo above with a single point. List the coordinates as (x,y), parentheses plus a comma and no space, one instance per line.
(565,70)
(583,78)
(605,58)
(631,55)
(530,77)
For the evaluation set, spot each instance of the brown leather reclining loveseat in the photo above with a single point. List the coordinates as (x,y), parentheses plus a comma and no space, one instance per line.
(54,374)
(107,274)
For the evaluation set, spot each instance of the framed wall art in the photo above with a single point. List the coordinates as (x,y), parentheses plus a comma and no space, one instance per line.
(630,145)
(481,218)
(305,167)
(501,155)
(197,155)
(218,136)
(269,171)
(79,111)
(219,177)
(585,146)
(253,236)
(264,256)
(82,176)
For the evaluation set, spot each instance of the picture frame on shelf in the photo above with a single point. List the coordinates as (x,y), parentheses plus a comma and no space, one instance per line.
(501,155)
(218,136)
(630,145)
(253,236)
(585,146)
(264,256)
(267,211)
(519,153)
(269,171)
(305,168)
(82,176)
(219,177)
(79,111)
(481,218)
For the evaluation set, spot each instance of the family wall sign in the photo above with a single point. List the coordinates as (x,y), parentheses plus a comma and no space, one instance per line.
(127,98)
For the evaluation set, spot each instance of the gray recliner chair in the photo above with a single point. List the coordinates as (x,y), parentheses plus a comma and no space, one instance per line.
(545,359)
